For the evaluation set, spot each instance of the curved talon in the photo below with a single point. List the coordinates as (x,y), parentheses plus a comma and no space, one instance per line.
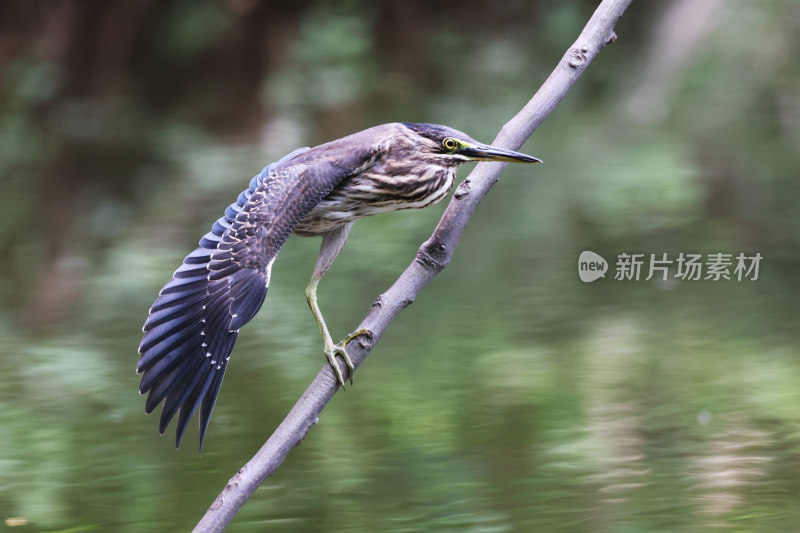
(356,333)
(332,350)
(339,349)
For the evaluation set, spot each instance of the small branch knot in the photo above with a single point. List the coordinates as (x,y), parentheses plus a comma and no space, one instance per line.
(462,190)
(577,57)
(611,39)
(428,262)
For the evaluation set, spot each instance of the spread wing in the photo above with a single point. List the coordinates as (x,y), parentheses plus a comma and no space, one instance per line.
(194,322)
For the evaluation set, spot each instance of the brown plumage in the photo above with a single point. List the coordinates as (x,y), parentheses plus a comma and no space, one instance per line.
(194,322)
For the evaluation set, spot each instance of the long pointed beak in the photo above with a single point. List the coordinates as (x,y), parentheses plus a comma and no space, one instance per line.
(484,152)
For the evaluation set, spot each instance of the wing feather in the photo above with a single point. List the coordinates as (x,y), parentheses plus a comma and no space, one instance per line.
(194,322)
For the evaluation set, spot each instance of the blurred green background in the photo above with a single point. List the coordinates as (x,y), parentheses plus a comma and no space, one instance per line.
(511,396)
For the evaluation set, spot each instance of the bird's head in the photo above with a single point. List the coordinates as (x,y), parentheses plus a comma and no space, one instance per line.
(452,147)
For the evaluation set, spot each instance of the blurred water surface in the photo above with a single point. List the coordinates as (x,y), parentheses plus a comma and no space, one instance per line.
(511,396)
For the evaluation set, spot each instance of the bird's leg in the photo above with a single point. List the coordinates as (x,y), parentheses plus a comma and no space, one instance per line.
(331,350)
(332,243)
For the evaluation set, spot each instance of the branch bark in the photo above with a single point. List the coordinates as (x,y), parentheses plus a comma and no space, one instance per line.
(432,257)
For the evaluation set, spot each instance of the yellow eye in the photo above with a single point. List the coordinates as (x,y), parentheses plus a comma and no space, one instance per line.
(449,143)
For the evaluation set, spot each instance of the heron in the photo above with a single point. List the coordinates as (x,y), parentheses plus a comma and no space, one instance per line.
(193,324)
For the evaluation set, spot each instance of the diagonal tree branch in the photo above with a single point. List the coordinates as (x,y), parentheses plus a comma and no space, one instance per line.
(431,258)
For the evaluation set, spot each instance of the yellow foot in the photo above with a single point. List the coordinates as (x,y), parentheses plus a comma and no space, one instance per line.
(332,350)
